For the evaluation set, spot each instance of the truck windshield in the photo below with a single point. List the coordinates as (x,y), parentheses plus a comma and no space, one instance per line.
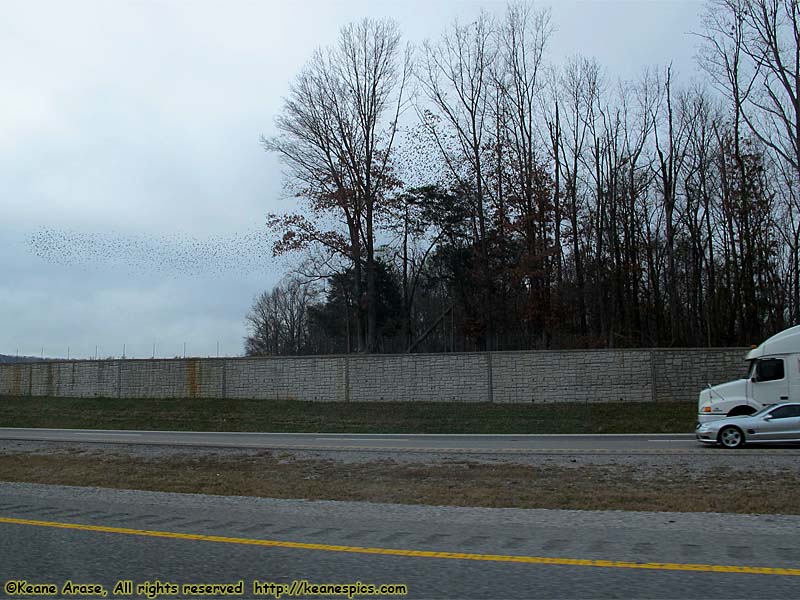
(751,367)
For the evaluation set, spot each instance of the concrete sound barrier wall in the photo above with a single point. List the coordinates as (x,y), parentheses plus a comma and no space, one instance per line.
(638,375)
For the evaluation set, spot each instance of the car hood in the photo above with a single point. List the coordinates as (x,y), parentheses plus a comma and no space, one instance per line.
(743,422)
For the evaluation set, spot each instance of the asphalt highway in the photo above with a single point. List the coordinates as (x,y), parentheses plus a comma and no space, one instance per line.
(51,534)
(471,444)
(366,442)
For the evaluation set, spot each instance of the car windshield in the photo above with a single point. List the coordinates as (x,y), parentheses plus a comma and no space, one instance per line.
(763,410)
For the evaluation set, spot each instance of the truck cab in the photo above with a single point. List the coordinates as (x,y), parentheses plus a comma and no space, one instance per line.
(772,376)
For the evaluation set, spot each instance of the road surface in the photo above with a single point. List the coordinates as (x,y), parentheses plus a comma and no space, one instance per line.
(364,442)
(472,444)
(53,534)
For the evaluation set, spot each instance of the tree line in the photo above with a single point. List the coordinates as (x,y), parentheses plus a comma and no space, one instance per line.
(473,195)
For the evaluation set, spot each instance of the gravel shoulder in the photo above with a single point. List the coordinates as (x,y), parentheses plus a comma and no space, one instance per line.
(745,461)
(725,482)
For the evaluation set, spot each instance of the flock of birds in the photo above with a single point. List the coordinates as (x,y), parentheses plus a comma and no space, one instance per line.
(171,254)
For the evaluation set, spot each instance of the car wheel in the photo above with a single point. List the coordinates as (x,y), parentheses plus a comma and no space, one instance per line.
(731,437)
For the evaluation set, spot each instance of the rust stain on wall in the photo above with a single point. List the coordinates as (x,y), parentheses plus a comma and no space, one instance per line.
(192,379)
(16,381)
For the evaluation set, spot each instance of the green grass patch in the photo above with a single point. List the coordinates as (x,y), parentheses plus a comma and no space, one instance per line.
(350,417)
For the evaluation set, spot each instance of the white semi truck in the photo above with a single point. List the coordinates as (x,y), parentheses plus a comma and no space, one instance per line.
(773,376)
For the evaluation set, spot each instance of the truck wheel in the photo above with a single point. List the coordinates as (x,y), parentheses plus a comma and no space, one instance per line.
(731,437)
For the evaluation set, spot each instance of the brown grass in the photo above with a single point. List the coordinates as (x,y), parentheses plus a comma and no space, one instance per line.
(589,487)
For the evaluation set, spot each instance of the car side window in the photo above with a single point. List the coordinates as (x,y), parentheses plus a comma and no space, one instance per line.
(769,369)
(784,412)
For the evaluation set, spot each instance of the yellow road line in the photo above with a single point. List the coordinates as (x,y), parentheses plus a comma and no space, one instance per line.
(536,560)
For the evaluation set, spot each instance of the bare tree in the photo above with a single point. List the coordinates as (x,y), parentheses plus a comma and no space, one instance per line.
(772,43)
(536,206)
(751,49)
(522,38)
(278,320)
(672,151)
(338,128)
(455,76)
(577,89)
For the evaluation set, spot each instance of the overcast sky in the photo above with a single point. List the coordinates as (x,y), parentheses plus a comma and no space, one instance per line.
(133,187)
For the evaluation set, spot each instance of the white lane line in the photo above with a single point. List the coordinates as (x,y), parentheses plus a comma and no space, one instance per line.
(673,441)
(343,439)
(111,434)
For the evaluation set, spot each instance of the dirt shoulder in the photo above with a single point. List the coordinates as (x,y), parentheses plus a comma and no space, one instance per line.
(745,483)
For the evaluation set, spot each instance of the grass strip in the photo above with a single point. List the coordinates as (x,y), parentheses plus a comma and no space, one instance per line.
(291,416)
(462,483)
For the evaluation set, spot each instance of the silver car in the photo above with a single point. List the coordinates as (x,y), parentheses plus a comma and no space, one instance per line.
(776,423)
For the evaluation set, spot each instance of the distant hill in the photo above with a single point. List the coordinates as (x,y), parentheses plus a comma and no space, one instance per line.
(4,358)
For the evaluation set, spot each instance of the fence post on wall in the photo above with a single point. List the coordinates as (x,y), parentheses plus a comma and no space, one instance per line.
(119,379)
(653,391)
(489,382)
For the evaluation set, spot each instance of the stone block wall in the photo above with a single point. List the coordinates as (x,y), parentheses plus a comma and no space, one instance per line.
(572,376)
(683,373)
(460,377)
(293,378)
(658,375)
